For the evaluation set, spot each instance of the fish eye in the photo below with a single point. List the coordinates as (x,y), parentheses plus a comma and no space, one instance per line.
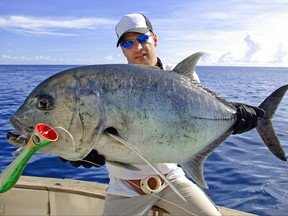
(44,102)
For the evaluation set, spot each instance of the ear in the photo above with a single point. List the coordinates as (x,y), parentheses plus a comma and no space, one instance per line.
(155,38)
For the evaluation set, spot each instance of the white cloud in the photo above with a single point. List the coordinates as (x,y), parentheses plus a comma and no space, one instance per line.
(238,33)
(51,26)
(253,48)
(46,59)
(7,59)
(281,55)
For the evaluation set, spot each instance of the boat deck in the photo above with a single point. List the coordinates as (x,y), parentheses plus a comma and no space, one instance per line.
(50,196)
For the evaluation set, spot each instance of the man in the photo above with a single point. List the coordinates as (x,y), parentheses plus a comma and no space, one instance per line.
(129,191)
(125,196)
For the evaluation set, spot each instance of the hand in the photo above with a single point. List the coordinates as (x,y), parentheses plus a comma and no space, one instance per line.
(247,117)
(93,157)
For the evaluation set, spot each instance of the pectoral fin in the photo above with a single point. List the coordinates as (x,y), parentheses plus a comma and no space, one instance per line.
(194,168)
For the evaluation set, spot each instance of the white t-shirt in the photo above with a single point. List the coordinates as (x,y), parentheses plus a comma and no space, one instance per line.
(118,175)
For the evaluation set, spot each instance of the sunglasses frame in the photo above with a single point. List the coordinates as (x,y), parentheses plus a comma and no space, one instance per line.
(130,43)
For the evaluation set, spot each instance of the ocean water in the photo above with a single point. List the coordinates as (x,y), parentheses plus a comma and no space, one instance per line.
(241,174)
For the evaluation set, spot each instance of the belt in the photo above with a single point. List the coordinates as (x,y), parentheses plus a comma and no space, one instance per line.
(148,185)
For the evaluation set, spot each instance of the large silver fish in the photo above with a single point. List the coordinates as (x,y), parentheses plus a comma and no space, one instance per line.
(136,115)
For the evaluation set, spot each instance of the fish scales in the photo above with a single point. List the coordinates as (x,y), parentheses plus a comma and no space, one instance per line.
(163,116)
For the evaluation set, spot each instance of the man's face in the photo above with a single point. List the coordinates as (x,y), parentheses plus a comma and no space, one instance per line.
(141,53)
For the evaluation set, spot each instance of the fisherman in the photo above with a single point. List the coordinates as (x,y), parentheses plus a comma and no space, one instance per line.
(134,192)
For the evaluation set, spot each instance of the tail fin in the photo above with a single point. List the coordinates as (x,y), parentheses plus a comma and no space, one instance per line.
(265,126)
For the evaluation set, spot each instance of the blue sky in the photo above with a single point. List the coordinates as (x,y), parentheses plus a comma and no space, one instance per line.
(231,32)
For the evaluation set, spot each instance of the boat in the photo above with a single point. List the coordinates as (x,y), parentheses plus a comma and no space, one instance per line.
(51,196)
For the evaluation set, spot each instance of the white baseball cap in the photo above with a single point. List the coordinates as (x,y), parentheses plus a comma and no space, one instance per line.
(132,23)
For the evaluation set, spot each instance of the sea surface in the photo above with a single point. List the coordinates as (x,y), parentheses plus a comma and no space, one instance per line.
(241,174)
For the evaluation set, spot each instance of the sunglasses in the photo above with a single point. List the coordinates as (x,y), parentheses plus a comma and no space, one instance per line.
(129,43)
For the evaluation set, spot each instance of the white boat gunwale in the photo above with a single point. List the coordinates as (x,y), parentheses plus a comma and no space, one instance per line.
(51,196)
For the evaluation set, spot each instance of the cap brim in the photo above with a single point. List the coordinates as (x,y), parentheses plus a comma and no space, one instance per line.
(136,30)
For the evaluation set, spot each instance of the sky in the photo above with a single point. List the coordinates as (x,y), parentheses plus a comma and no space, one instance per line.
(230,32)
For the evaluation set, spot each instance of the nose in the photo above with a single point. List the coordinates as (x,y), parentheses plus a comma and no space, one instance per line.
(137,45)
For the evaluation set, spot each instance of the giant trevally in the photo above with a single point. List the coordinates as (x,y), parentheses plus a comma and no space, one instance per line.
(135,114)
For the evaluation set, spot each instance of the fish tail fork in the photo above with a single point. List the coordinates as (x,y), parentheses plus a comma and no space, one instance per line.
(265,127)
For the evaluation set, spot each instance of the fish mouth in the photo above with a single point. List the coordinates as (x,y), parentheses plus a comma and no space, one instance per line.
(21,135)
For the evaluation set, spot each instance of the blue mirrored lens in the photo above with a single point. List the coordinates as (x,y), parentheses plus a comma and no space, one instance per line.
(129,43)
(142,38)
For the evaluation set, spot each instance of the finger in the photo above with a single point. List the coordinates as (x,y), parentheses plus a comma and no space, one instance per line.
(62,159)
(100,160)
(86,164)
(75,163)
(238,126)
(260,112)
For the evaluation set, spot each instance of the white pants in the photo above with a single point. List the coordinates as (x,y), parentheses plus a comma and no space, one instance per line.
(198,203)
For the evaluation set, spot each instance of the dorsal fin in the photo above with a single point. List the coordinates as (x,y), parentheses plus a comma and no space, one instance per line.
(187,66)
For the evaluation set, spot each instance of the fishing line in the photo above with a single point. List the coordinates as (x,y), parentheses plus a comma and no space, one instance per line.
(21,136)
(95,164)
(119,139)
(72,138)
(74,145)
(165,200)
(98,165)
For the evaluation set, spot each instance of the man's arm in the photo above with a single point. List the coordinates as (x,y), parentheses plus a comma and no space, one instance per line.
(247,117)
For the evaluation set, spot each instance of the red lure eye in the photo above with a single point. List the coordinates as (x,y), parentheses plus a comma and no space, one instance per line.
(47,132)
